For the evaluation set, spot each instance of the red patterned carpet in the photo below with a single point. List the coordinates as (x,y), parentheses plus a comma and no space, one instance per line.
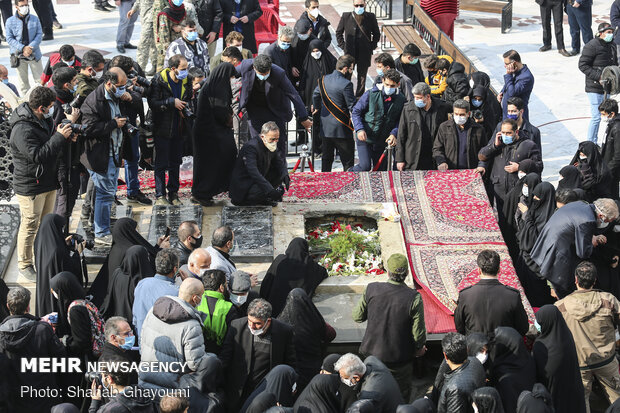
(445,217)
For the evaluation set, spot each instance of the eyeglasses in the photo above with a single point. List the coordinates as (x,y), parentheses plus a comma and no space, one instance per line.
(358,5)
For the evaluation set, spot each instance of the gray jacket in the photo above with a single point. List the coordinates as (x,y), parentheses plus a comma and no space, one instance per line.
(171,332)
(219,262)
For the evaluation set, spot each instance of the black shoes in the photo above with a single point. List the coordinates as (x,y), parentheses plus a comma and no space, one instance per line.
(564,53)
(120,48)
(99,7)
(130,46)
(574,52)
(140,198)
(48,36)
(545,48)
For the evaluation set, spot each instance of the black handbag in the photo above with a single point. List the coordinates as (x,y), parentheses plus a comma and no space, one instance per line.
(14,60)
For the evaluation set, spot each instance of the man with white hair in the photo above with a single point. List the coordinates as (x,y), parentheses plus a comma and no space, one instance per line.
(280,50)
(568,237)
(372,379)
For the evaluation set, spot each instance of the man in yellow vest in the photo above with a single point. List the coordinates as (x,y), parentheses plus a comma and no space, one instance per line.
(216,308)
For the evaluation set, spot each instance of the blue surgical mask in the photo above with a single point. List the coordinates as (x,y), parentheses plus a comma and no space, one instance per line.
(182,74)
(119,92)
(130,341)
(303,36)
(537,326)
(507,139)
(389,90)
(420,103)
(359,10)
(74,88)
(414,61)
(49,113)
(476,103)
(262,77)
(5,80)
(513,116)
(192,36)
(177,2)
(608,37)
(380,72)
(284,45)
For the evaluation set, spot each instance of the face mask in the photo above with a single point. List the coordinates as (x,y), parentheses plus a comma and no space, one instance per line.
(23,10)
(182,74)
(303,36)
(601,224)
(389,90)
(98,75)
(512,116)
(284,45)
(476,103)
(414,61)
(257,332)
(380,72)
(192,36)
(119,92)
(202,271)
(262,77)
(197,241)
(69,63)
(348,382)
(359,10)
(460,120)
(314,13)
(5,80)
(507,139)
(129,343)
(238,300)
(608,37)
(420,103)
(49,113)
(521,175)
(482,357)
(272,146)
(55,294)
(525,191)
(316,55)
(177,2)
(537,326)
(583,157)
(74,88)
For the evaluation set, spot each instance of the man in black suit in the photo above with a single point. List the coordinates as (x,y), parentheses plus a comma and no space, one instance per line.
(240,17)
(267,94)
(489,303)
(358,35)
(253,346)
(553,8)
(333,100)
(259,172)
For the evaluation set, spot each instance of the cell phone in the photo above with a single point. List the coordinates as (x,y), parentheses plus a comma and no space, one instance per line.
(167,232)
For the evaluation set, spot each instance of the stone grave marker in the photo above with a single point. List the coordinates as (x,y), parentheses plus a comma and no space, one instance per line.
(98,254)
(253,228)
(164,216)
(9,225)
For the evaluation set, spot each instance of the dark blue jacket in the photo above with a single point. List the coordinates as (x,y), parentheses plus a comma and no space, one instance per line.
(340,91)
(519,84)
(279,92)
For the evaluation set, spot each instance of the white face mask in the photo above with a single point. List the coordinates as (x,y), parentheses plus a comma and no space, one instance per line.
(482,357)
(460,120)
(70,63)
(521,174)
(348,382)
(23,10)
(55,294)
(316,55)
(525,191)
(256,332)
(601,224)
(238,299)
(314,13)
(272,146)
(240,48)
(583,157)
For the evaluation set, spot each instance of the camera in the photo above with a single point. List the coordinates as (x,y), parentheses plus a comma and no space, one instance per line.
(131,129)
(187,113)
(478,115)
(78,239)
(75,127)
(91,376)
(142,81)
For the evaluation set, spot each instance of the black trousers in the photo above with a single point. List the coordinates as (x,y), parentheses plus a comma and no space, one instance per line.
(557,11)
(346,149)
(68,192)
(361,69)
(42,7)
(6,8)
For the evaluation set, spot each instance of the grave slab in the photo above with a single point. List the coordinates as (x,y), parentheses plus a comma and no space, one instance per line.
(165,216)
(253,228)
(9,225)
(98,254)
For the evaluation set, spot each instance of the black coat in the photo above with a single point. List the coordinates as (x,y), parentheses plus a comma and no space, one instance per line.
(611,148)
(250,8)
(595,56)
(340,91)
(321,31)
(35,148)
(236,355)
(379,385)
(409,142)
(282,58)
(413,72)
(527,130)
(161,102)
(358,43)
(210,16)
(446,146)
(254,166)
(458,85)
(458,386)
(489,304)
(111,352)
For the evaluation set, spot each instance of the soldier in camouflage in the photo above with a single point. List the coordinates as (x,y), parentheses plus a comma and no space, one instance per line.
(146,48)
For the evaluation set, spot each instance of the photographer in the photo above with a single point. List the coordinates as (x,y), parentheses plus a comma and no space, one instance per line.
(114,386)
(169,96)
(35,148)
(105,145)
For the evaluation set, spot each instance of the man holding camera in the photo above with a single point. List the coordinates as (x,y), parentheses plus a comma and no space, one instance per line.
(104,151)
(35,148)
(169,96)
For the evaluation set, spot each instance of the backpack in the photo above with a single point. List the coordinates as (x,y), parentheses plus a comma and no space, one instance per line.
(96,324)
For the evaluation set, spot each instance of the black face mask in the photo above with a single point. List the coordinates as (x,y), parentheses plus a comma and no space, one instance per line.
(197,241)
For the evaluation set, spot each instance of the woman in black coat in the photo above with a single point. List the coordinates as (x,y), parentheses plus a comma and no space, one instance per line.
(596,179)
(537,401)
(487,400)
(215,151)
(52,255)
(556,361)
(322,395)
(281,381)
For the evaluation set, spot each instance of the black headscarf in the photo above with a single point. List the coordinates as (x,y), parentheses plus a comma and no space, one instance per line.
(299,48)
(202,385)
(329,361)
(261,403)
(571,178)
(220,92)
(556,361)
(314,69)
(487,400)
(538,214)
(320,396)
(514,196)
(476,342)
(52,256)
(512,368)
(419,406)
(596,177)
(68,289)
(537,401)
(123,281)
(279,381)
(4,291)
(124,236)
(363,406)
(294,269)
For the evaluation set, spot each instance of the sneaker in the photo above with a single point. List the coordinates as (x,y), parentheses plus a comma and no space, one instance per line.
(104,241)
(161,200)
(56,24)
(174,199)
(29,273)
(140,198)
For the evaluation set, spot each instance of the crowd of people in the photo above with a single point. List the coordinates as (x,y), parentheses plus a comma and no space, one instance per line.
(247,347)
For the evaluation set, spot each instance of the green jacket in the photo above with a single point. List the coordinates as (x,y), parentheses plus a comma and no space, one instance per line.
(215,324)
(377,123)
(86,84)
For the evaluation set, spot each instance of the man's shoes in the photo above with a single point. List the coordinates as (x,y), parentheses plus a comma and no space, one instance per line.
(161,200)
(120,48)
(203,202)
(99,7)
(564,53)
(56,24)
(105,241)
(544,48)
(574,52)
(140,198)
(29,273)
(108,5)
(145,165)
(174,199)
(48,36)
(130,46)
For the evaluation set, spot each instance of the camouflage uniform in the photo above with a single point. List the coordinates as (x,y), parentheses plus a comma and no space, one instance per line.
(164,35)
(146,48)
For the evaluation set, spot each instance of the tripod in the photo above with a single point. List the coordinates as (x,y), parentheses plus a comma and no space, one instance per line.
(303,157)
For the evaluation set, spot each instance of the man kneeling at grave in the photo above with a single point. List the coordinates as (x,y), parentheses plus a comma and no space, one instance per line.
(260,174)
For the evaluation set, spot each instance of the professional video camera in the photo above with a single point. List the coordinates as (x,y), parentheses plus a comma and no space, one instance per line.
(76,128)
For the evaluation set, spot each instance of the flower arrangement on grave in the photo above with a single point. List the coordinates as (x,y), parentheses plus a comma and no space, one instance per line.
(346,250)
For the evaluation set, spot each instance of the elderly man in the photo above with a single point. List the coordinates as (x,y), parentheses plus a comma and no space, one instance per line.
(568,237)
(190,238)
(222,242)
(172,333)
(372,379)
(280,50)
(395,333)
(198,262)
(257,337)
(119,342)
(260,174)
